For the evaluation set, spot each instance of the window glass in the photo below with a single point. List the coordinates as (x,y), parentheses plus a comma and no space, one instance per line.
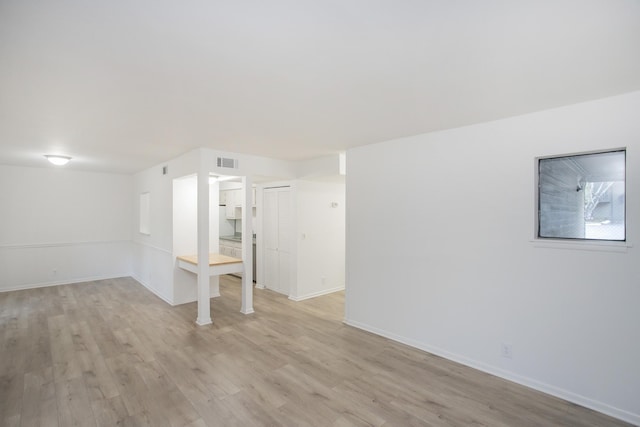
(582,196)
(145,211)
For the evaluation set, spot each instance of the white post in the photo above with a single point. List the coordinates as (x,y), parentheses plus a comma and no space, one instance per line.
(214,232)
(259,240)
(204,310)
(247,247)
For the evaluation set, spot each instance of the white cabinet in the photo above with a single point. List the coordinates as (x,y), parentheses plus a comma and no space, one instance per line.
(237,252)
(231,248)
(233,212)
(232,199)
(223,197)
(232,203)
(237,197)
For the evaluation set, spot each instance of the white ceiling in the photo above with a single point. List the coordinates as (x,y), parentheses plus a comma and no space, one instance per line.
(122,85)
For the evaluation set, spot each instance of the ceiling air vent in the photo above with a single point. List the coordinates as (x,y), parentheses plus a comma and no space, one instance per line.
(224,162)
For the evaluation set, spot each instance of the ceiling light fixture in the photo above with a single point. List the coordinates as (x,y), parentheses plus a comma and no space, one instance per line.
(57,160)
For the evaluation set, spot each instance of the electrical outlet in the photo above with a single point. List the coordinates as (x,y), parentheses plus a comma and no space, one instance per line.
(507,351)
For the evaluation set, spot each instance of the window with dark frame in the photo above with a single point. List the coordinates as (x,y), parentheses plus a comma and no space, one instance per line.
(582,196)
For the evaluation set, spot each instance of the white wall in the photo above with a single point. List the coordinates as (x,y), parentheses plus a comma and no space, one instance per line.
(185,215)
(185,236)
(439,255)
(320,167)
(60,226)
(153,261)
(321,238)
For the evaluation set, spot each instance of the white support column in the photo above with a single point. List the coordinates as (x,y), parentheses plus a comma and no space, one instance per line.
(247,248)
(214,232)
(259,240)
(204,310)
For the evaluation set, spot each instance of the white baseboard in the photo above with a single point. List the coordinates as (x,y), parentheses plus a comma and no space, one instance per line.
(525,381)
(165,299)
(60,244)
(61,282)
(316,294)
(153,291)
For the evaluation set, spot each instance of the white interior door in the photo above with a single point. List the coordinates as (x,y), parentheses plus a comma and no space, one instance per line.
(270,235)
(277,239)
(284,240)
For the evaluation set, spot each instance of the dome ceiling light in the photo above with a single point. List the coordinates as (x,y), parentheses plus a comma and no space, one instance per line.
(57,159)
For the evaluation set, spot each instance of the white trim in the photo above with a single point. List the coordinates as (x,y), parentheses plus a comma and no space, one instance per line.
(62,282)
(153,291)
(582,153)
(59,244)
(204,322)
(168,300)
(510,376)
(578,243)
(316,294)
(582,245)
(148,245)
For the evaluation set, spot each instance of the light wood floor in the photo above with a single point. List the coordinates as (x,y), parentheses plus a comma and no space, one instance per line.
(111,353)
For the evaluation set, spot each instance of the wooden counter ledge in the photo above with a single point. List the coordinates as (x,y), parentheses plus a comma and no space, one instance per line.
(214,259)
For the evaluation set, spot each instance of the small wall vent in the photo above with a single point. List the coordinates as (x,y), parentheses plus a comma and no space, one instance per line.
(224,162)
(165,170)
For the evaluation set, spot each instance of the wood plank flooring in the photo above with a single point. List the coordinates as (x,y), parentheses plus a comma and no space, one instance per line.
(111,353)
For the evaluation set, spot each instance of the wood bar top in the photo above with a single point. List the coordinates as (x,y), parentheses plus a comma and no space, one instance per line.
(214,259)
